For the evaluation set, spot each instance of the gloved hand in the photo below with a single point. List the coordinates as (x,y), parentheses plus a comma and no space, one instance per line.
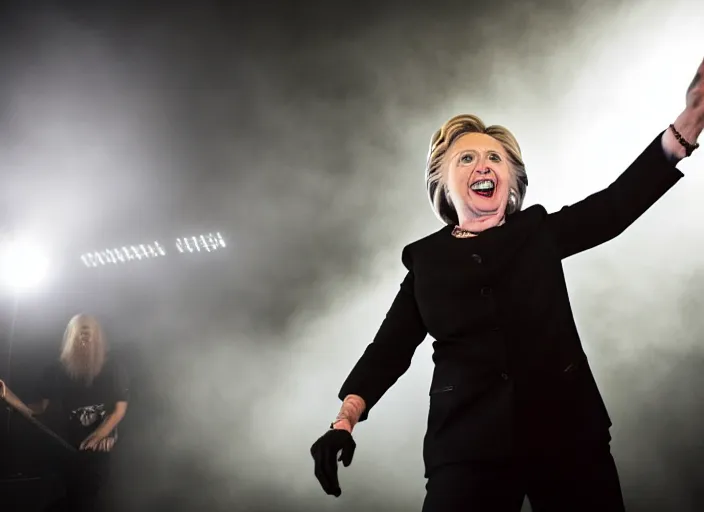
(325,454)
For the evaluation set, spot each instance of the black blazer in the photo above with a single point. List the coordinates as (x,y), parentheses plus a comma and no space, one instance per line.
(510,371)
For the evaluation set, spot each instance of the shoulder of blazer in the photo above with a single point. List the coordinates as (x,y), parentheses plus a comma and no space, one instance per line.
(528,220)
(420,244)
(530,216)
(523,225)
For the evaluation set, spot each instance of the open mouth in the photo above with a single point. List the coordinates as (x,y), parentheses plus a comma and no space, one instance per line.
(484,188)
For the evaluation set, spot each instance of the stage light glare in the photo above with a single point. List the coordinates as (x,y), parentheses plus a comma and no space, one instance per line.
(209,243)
(123,254)
(200,243)
(23,264)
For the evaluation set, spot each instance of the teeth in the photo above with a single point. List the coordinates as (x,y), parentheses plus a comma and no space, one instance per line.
(483,185)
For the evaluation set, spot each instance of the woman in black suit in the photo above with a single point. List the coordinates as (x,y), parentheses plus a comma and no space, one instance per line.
(514,408)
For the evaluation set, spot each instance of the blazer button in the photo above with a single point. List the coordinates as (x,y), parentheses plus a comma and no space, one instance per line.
(476,258)
(486,291)
(504,376)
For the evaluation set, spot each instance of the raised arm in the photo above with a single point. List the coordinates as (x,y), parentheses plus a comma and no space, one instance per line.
(606,214)
(386,358)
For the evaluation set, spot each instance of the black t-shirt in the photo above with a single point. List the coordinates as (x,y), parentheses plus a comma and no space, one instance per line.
(76,409)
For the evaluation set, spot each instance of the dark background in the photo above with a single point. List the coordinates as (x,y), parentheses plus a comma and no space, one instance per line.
(299,130)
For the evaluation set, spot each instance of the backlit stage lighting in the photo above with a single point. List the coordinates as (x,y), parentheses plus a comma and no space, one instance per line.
(123,254)
(23,264)
(130,253)
(208,243)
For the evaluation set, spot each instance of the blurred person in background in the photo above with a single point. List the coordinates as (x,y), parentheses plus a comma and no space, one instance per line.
(514,407)
(85,395)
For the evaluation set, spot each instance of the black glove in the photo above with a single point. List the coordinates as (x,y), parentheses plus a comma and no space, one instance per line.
(324,452)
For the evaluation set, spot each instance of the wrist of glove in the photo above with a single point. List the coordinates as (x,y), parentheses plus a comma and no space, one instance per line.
(336,445)
(342,424)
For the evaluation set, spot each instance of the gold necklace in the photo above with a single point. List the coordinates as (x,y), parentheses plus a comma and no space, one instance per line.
(458,232)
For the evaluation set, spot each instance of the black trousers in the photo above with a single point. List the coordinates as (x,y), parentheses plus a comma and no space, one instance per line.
(584,480)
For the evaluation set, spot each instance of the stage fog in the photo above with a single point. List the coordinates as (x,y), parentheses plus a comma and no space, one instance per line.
(301,136)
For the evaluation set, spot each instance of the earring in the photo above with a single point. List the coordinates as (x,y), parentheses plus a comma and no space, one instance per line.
(512,204)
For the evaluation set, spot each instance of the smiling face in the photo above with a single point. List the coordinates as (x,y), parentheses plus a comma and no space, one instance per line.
(479,179)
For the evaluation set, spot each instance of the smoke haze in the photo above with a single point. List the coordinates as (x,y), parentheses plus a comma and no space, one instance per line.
(301,134)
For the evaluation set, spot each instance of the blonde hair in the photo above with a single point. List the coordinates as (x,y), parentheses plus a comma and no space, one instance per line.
(80,364)
(435,175)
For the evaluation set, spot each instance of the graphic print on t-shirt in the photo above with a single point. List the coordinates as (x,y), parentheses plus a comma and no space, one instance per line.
(90,417)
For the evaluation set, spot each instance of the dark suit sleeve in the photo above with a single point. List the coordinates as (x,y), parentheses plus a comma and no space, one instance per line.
(606,214)
(390,353)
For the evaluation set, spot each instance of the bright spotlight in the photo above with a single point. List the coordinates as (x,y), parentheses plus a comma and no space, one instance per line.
(23,264)
(209,243)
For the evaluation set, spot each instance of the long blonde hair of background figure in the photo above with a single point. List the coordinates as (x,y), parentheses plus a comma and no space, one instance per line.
(80,363)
